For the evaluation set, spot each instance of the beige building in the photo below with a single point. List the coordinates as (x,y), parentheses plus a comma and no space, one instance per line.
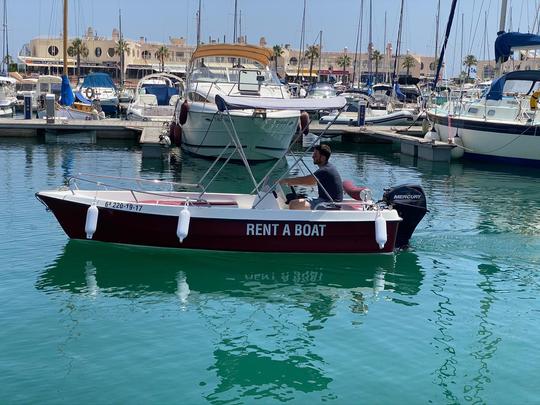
(44,56)
(291,64)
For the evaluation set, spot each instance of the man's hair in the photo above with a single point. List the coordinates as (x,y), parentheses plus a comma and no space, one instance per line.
(324,150)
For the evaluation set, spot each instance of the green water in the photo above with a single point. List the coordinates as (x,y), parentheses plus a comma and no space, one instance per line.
(453,320)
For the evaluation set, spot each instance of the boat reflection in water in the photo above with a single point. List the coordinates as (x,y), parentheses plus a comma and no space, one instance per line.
(265,311)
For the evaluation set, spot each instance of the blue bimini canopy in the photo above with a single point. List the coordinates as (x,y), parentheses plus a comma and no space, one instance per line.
(496,90)
(508,40)
(98,80)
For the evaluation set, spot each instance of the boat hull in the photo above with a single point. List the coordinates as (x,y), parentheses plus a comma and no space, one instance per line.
(225,233)
(262,138)
(499,141)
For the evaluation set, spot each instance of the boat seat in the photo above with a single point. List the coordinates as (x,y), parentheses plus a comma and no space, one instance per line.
(148,99)
(229,203)
(174,98)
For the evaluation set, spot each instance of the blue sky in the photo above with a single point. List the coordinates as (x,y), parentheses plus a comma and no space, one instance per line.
(277,20)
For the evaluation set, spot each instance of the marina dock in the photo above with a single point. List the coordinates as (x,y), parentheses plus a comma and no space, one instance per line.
(410,139)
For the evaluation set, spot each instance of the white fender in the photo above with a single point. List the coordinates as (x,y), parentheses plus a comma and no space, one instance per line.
(380,231)
(458,151)
(182,229)
(91,221)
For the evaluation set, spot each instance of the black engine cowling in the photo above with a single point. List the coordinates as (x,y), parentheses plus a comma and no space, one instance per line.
(410,203)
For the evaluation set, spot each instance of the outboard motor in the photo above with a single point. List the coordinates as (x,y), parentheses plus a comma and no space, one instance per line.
(410,203)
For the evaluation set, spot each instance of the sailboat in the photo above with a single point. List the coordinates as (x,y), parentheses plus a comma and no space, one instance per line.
(67,107)
(503,125)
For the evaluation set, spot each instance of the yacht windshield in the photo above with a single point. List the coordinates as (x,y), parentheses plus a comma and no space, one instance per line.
(224,72)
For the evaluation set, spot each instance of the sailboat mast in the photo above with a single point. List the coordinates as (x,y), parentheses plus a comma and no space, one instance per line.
(121,48)
(370,44)
(502,24)
(356,46)
(385,62)
(235,20)
(5,47)
(65,34)
(320,53)
(301,51)
(437,30)
(398,43)
(199,25)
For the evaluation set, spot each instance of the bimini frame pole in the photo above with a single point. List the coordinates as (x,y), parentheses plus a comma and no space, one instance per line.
(295,163)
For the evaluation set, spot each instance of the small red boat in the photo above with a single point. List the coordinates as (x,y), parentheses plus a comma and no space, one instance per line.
(257,222)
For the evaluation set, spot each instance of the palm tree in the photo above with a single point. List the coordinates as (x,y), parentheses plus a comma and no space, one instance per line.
(311,53)
(469,61)
(377,57)
(408,63)
(343,61)
(78,48)
(277,52)
(121,48)
(161,54)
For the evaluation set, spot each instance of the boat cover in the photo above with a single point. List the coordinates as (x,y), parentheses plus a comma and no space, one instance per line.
(66,94)
(508,40)
(497,87)
(98,80)
(239,103)
(79,96)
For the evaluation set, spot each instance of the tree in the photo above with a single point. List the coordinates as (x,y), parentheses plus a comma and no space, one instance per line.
(161,54)
(78,48)
(277,52)
(311,53)
(343,61)
(469,61)
(121,49)
(377,57)
(408,63)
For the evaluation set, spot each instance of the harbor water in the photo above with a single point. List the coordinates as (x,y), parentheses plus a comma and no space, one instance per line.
(452,320)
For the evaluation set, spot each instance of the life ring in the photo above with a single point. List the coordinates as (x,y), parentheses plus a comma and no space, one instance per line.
(304,122)
(89,93)
(533,102)
(184,109)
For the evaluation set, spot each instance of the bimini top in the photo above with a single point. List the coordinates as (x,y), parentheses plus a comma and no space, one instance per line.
(497,87)
(506,41)
(257,53)
(238,103)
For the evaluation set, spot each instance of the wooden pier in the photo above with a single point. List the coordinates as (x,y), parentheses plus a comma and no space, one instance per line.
(146,133)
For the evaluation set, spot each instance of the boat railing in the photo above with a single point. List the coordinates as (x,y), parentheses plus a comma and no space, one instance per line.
(106,182)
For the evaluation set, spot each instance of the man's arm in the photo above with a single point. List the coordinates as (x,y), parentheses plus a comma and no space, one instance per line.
(308,180)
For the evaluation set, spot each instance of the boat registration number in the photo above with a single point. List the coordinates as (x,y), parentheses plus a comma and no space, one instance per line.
(123,206)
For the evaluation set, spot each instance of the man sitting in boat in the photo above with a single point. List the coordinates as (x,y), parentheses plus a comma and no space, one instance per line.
(327,179)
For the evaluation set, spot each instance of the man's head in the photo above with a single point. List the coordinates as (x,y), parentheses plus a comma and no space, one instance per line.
(321,154)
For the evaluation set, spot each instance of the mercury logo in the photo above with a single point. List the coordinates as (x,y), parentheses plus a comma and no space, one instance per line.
(407,197)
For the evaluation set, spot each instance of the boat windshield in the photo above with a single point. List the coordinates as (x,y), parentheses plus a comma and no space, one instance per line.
(521,86)
(225,73)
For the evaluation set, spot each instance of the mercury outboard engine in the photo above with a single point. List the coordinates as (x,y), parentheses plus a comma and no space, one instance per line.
(410,203)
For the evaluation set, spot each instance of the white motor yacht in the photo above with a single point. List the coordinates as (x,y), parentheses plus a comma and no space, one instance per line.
(238,71)
(155,98)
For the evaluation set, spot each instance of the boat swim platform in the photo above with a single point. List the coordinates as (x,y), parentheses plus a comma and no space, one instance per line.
(409,138)
(146,133)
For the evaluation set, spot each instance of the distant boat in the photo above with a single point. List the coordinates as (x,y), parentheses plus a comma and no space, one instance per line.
(7,96)
(99,87)
(155,98)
